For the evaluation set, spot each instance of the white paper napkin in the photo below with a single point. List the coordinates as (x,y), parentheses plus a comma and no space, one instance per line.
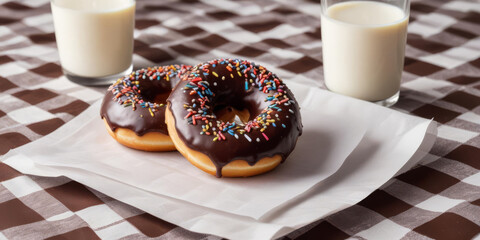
(391,139)
(325,144)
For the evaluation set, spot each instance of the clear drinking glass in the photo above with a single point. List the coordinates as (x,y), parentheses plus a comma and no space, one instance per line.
(94,39)
(364,47)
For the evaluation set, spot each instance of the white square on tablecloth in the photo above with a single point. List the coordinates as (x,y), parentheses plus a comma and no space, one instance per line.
(442,60)
(21,186)
(10,100)
(470,117)
(462,6)
(156,30)
(173,22)
(386,229)
(421,29)
(438,203)
(59,84)
(247,9)
(312,45)
(310,9)
(430,24)
(454,57)
(29,115)
(455,134)
(428,86)
(241,37)
(463,53)
(36,3)
(473,179)
(43,22)
(216,26)
(117,231)
(4,31)
(87,95)
(14,40)
(285,54)
(283,31)
(10,69)
(38,20)
(60,216)
(31,51)
(98,216)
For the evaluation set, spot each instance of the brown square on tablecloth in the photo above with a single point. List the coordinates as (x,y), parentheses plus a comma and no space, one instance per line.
(463,99)
(476,202)
(222,14)
(145,23)
(149,225)
(302,65)
(276,43)
(6,20)
(50,70)
(472,16)
(461,33)
(45,127)
(384,204)
(417,41)
(74,108)
(7,172)
(35,96)
(80,233)
(464,80)
(14,213)
(438,114)
(190,31)
(257,27)
(74,196)
(5,59)
(428,179)
(466,154)
(476,62)
(420,7)
(42,38)
(325,230)
(250,52)
(187,51)
(11,140)
(420,68)
(5,84)
(16,6)
(449,226)
(212,41)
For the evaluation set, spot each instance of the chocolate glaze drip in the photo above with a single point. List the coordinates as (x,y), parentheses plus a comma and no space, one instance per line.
(231,92)
(139,118)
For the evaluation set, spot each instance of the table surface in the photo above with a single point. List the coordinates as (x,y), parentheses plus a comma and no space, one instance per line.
(439,198)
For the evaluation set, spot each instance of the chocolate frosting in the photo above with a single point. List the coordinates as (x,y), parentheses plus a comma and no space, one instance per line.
(276,138)
(137,101)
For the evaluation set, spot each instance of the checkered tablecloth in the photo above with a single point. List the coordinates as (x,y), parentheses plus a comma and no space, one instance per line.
(439,198)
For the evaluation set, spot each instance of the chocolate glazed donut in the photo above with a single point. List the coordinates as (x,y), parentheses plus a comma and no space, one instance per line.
(134,107)
(231,110)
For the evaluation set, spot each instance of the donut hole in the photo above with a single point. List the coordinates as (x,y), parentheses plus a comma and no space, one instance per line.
(239,108)
(154,94)
(231,114)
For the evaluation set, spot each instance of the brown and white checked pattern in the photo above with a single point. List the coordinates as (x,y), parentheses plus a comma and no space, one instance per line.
(438,199)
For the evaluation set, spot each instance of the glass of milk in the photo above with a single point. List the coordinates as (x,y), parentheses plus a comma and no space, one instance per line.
(94,39)
(364,47)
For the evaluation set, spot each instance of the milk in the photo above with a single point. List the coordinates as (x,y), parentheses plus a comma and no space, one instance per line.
(363,49)
(94,37)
